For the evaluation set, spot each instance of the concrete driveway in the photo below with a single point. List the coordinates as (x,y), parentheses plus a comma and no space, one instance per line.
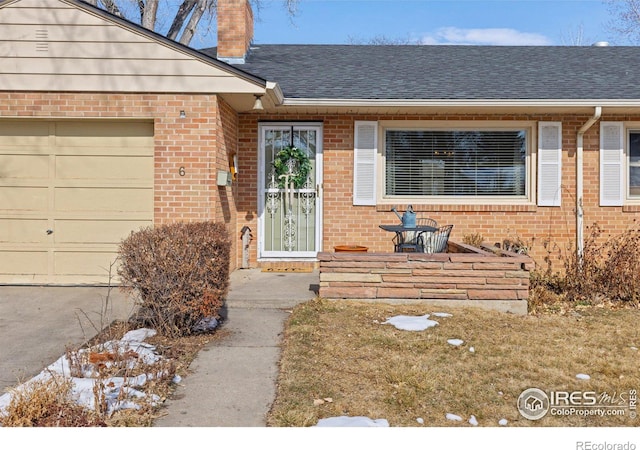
(37,323)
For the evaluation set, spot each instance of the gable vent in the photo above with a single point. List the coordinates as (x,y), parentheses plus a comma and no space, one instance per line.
(42,38)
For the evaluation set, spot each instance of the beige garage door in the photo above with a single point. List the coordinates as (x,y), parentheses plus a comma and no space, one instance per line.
(69,192)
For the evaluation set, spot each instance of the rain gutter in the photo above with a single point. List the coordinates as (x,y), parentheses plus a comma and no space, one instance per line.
(381,102)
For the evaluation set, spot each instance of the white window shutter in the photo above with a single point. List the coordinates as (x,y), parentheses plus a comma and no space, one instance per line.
(364,162)
(549,163)
(611,163)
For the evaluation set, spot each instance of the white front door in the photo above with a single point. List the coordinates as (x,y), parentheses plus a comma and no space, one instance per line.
(290,212)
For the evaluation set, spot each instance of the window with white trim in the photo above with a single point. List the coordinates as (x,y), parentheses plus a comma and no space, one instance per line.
(470,163)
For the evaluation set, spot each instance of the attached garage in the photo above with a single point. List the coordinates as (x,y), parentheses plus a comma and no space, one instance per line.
(106,127)
(69,192)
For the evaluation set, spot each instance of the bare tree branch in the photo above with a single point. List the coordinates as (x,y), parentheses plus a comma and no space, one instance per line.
(148,13)
(141,7)
(291,6)
(191,17)
(183,12)
(627,21)
(382,40)
(111,7)
(575,37)
(198,12)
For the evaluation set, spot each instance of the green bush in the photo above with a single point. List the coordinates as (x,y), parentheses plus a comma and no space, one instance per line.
(179,274)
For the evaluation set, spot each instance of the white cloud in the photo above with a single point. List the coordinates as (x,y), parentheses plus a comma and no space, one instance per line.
(483,36)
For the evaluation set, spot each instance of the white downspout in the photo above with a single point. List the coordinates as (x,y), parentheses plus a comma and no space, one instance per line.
(579,181)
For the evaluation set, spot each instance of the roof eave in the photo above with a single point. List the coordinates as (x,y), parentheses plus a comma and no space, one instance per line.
(457,102)
(457,106)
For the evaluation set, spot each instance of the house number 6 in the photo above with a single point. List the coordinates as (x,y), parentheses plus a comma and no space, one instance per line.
(181,171)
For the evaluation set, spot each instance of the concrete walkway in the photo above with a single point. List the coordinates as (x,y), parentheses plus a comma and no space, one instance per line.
(233,383)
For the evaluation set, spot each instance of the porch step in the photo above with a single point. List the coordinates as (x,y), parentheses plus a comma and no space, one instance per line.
(289,266)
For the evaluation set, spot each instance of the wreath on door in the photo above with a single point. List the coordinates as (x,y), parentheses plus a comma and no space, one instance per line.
(300,171)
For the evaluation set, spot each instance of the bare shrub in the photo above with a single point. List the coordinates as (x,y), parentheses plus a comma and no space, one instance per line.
(544,277)
(179,272)
(474,239)
(608,269)
(48,403)
(516,245)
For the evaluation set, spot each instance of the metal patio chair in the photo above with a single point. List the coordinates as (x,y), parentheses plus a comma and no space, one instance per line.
(436,242)
(411,240)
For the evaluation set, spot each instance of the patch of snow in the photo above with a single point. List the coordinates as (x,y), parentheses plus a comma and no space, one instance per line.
(345,421)
(420,420)
(583,376)
(455,342)
(118,392)
(138,335)
(472,350)
(473,421)
(453,417)
(442,314)
(411,323)
(503,422)
(634,348)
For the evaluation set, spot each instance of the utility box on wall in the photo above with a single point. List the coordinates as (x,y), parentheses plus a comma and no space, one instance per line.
(224,178)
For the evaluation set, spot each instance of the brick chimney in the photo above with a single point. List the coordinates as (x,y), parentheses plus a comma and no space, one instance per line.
(235,30)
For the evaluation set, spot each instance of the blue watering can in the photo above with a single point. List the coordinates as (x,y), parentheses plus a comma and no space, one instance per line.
(408,218)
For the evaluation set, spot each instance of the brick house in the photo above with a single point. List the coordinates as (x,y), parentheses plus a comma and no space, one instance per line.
(106,127)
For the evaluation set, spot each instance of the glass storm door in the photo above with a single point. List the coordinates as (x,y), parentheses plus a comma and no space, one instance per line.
(290,213)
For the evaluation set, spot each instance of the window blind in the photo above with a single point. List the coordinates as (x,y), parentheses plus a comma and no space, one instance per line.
(455,163)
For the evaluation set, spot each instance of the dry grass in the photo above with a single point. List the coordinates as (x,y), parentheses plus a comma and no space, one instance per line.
(47,403)
(341,351)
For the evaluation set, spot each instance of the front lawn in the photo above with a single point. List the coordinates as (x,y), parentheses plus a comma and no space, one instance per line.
(340,359)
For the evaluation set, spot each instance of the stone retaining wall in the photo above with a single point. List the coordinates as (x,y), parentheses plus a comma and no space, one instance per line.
(466,276)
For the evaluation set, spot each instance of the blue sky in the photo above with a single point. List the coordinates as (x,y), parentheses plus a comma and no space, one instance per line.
(513,22)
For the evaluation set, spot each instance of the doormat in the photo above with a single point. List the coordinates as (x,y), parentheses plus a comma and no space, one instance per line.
(288,269)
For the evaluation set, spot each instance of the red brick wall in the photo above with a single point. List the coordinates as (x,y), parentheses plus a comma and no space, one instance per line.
(200,143)
(346,224)
(227,197)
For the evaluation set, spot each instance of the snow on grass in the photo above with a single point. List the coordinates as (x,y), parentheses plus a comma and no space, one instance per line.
(119,392)
(411,323)
(456,342)
(473,421)
(346,421)
(453,417)
(583,376)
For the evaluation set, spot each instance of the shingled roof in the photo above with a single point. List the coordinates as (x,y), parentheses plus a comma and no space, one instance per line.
(445,72)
